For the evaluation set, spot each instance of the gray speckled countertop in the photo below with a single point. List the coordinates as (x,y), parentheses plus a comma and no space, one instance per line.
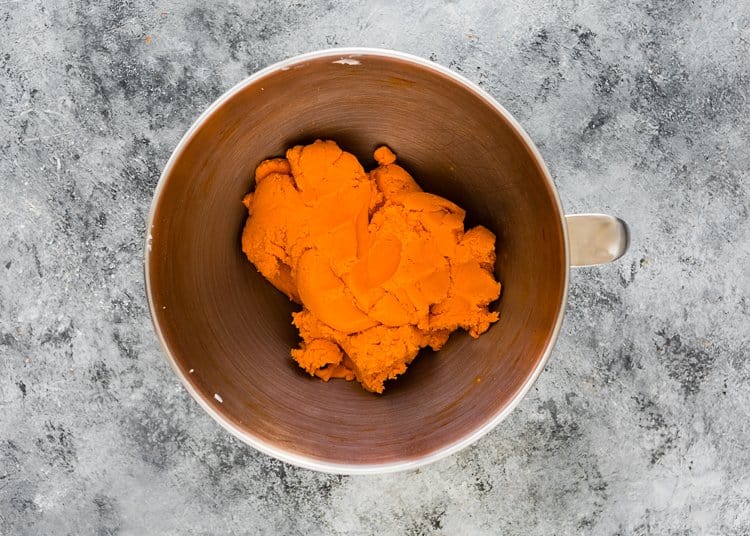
(639,425)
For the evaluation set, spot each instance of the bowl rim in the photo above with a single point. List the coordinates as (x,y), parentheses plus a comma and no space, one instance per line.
(347,56)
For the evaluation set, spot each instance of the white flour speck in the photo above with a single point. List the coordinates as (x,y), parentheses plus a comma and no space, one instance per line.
(347,61)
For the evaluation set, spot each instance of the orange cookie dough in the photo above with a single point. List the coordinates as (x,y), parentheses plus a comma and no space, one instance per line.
(381,268)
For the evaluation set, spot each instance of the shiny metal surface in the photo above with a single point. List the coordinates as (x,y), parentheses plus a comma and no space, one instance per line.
(596,238)
(227,332)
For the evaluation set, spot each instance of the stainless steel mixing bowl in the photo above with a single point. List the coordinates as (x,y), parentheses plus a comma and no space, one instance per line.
(227,332)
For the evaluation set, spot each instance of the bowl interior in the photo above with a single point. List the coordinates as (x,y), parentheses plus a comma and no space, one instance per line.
(219,317)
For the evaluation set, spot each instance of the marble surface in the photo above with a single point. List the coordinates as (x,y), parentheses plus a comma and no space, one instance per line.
(640,423)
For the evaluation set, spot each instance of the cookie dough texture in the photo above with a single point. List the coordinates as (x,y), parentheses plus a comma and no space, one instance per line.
(380,267)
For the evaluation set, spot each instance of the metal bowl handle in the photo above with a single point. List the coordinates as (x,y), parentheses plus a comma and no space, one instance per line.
(596,238)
